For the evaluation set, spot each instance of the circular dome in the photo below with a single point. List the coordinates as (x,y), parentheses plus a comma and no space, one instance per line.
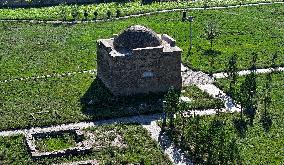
(137,37)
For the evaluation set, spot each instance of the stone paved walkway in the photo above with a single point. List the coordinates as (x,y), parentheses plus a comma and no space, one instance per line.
(174,153)
(246,72)
(58,75)
(205,83)
(190,77)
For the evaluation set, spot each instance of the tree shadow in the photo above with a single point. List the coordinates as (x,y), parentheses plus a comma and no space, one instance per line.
(99,103)
(211,52)
(240,126)
(222,147)
(266,122)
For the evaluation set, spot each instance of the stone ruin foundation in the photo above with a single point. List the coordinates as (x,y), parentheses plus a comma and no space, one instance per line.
(84,143)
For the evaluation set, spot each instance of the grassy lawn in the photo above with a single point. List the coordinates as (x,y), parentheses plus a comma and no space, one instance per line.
(127,8)
(208,140)
(32,50)
(39,49)
(260,147)
(140,147)
(199,99)
(64,100)
(61,100)
(54,143)
(43,102)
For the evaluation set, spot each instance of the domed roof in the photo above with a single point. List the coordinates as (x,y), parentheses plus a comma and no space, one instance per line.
(137,37)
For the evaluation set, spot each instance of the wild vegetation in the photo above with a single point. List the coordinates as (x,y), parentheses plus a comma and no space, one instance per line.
(112,9)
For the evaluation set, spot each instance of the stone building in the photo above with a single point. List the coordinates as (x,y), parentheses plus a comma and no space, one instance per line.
(139,61)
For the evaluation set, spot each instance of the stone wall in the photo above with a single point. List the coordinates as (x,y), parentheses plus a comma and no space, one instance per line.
(104,64)
(145,70)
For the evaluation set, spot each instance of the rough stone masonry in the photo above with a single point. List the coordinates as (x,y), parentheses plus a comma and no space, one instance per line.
(139,61)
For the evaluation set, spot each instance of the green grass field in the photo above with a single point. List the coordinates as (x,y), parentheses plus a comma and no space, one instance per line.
(61,100)
(200,100)
(55,143)
(258,145)
(140,147)
(40,49)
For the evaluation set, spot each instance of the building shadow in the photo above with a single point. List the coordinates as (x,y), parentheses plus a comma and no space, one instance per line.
(99,103)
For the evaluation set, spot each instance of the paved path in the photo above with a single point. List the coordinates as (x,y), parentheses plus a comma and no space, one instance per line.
(137,15)
(205,83)
(246,72)
(190,77)
(57,75)
(215,92)
(142,119)
(174,153)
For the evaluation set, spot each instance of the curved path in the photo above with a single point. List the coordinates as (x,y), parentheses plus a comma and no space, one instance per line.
(57,75)
(246,72)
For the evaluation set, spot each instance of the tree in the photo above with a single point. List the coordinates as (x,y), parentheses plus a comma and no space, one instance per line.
(232,73)
(118,13)
(62,12)
(254,60)
(211,31)
(171,105)
(3,153)
(267,93)
(182,108)
(74,12)
(250,81)
(206,3)
(219,104)
(242,97)
(85,15)
(266,118)
(95,15)
(108,14)
(247,96)
(273,60)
